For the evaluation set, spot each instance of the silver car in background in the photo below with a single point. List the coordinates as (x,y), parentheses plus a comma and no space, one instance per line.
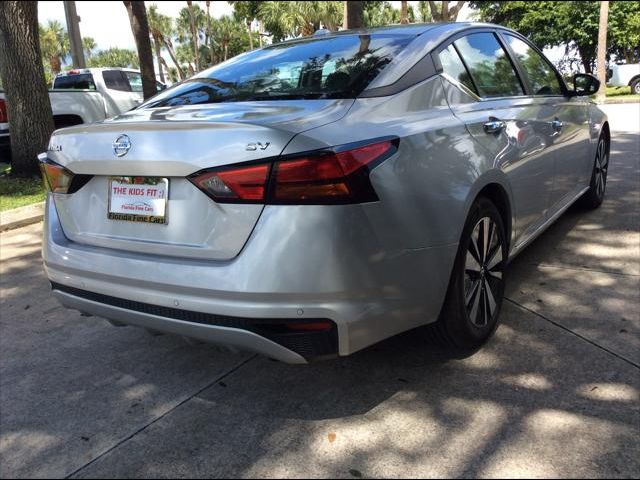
(317,196)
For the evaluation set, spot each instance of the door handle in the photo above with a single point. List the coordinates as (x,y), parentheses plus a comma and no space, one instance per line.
(494,125)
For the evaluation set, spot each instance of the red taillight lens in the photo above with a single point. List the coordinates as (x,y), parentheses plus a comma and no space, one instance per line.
(56,178)
(4,118)
(323,177)
(241,184)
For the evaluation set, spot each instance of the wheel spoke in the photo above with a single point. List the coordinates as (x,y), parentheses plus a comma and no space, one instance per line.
(485,238)
(471,292)
(473,314)
(495,258)
(471,264)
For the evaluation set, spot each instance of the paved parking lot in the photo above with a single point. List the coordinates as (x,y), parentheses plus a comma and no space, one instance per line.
(555,393)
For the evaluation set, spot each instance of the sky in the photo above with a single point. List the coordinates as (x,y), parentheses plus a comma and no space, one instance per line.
(108,24)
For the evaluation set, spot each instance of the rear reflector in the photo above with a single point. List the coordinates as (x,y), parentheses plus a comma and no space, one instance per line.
(4,118)
(324,177)
(309,327)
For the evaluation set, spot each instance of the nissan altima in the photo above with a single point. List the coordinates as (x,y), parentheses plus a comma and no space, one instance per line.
(316,196)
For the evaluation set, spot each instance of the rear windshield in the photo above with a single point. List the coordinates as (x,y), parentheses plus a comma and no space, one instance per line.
(83,81)
(334,67)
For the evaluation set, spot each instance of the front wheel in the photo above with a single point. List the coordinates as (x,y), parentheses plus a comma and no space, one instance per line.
(595,195)
(476,288)
(635,86)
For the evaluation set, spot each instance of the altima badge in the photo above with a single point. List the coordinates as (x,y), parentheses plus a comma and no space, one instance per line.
(254,146)
(121,146)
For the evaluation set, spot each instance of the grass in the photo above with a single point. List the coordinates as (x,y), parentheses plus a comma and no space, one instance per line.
(18,192)
(621,93)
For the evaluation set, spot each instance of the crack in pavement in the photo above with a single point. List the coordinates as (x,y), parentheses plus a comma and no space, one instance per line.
(568,330)
(160,417)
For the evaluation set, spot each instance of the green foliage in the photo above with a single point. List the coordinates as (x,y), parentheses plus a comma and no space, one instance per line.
(54,47)
(114,57)
(572,23)
(292,19)
(377,14)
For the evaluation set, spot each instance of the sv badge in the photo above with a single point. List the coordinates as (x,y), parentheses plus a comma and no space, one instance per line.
(255,146)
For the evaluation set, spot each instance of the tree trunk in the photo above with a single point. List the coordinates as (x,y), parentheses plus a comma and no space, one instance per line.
(158,47)
(250,36)
(140,28)
(602,50)
(169,46)
(194,35)
(353,14)
(404,19)
(27,99)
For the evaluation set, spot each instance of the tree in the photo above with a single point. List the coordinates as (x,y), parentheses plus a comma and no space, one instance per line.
(602,49)
(114,57)
(26,91)
(247,11)
(445,13)
(161,27)
(194,34)
(54,44)
(403,12)
(353,14)
(572,24)
(185,35)
(89,46)
(140,28)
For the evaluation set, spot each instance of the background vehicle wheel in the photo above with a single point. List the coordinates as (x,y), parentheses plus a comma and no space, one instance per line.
(476,288)
(635,86)
(593,197)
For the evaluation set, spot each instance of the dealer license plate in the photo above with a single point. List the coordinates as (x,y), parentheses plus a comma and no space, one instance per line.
(138,199)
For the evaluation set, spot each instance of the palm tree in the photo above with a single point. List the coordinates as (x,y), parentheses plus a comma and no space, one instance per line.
(140,28)
(354,14)
(291,19)
(161,29)
(185,34)
(194,34)
(403,12)
(54,43)
(247,11)
(89,46)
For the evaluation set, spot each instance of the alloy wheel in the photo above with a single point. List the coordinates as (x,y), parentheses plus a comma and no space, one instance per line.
(483,282)
(601,166)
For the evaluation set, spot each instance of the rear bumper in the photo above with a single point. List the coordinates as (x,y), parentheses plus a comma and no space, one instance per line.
(368,292)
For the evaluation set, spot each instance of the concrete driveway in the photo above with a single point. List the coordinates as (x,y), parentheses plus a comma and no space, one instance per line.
(555,393)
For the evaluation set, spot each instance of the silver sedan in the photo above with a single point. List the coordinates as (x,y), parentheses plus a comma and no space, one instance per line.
(316,196)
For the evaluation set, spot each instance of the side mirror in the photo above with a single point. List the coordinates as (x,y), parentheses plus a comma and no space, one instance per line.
(585,84)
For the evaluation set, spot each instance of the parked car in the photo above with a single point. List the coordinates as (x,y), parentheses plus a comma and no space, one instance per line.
(4,129)
(317,196)
(119,88)
(622,75)
(87,96)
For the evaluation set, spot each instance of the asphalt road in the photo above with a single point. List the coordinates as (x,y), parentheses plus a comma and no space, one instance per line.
(555,393)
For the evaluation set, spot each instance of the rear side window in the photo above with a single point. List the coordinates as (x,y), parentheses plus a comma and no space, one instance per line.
(453,67)
(115,80)
(83,81)
(542,77)
(489,65)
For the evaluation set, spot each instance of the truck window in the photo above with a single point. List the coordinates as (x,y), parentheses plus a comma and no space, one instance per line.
(83,81)
(135,81)
(115,80)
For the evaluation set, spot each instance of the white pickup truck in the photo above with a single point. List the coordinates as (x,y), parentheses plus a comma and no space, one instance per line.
(86,96)
(622,75)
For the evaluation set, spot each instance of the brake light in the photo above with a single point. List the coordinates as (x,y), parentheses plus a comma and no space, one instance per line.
(4,117)
(324,177)
(56,178)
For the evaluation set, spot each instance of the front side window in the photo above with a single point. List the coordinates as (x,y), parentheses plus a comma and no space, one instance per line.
(541,75)
(115,80)
(453,67)
(312,68)
(135,81)
(489,65)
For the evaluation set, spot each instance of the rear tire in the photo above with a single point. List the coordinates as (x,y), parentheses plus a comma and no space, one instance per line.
(593,197)
(635,86)
(472,305)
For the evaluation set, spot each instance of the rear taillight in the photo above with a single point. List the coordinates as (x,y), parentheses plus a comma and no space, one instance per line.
(4,118)
(335,176)
(56,178)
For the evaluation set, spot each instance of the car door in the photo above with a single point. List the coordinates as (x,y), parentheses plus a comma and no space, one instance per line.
(567,119)
(485,91)
(121,97)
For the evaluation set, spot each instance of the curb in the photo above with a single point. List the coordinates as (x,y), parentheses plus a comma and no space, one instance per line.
(21,217)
